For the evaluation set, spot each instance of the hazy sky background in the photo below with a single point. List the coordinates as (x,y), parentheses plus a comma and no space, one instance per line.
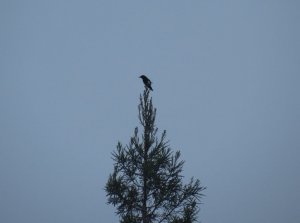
(226,78)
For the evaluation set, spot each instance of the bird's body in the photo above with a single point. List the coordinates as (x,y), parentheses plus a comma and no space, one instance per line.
(146,81)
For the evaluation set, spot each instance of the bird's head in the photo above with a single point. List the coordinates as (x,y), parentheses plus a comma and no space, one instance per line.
(142,76)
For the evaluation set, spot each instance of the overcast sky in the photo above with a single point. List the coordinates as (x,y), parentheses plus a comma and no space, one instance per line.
(226,77)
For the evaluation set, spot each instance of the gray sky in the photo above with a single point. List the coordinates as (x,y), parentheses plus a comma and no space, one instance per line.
(226,86)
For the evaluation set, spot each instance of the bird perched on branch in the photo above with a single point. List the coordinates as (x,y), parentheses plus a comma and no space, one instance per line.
(147,82)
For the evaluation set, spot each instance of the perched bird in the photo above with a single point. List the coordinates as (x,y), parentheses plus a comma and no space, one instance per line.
(147,82)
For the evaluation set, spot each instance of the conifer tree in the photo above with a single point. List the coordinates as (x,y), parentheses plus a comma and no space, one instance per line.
(146,185)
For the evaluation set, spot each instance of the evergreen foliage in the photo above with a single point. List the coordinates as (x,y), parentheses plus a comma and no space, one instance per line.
(146,185)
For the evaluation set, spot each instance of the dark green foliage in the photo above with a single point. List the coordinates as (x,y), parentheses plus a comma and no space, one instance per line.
(146,184)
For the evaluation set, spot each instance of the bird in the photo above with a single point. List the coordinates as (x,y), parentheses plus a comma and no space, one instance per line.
(147,82)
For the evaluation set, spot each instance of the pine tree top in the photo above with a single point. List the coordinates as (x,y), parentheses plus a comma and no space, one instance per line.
(147,182)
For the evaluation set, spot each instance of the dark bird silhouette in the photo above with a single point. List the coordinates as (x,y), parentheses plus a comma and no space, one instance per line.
(147,82)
